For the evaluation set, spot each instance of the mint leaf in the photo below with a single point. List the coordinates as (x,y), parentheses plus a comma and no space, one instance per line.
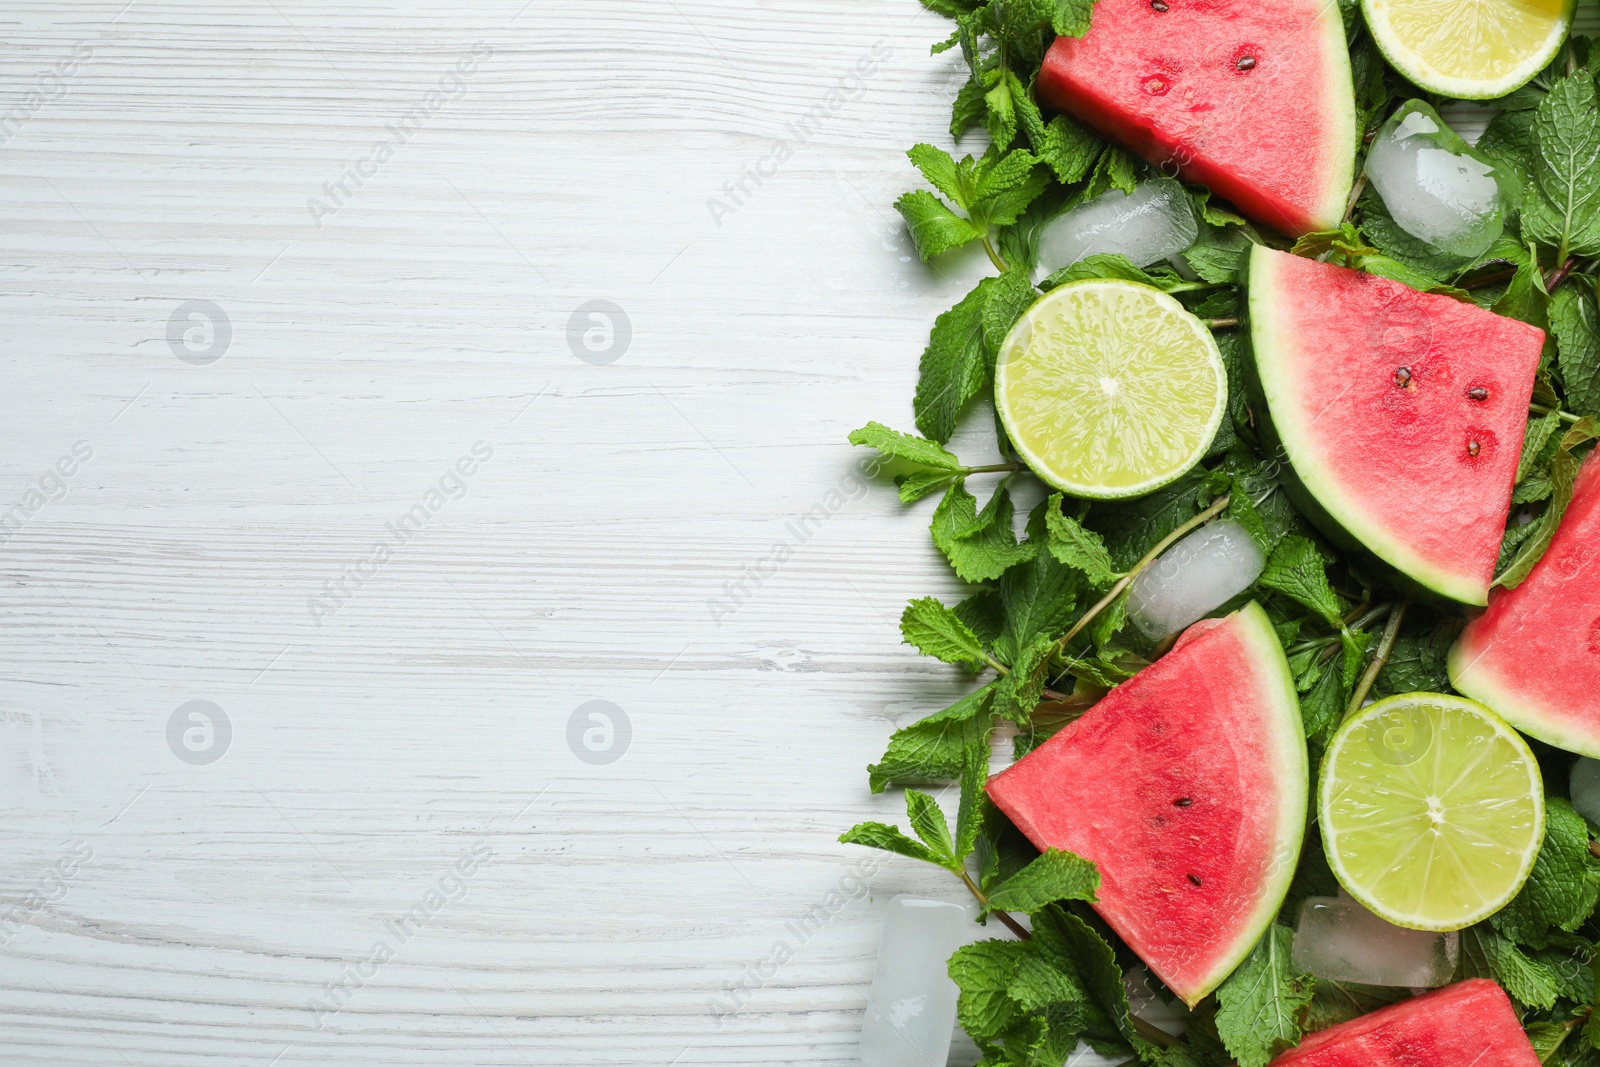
(878,835)
(935,630)
(1006,186)
(912,449)
(1485,953)
(915,486)
(1219,255)
(1081,549)
(1001,117)
(1577,328)
(1564,885)
(1114,170)
(929,823)
(968,109)
(1563,474)
(1109,265)
(1563,208)
(1130,530)
(935,748)
(954,367)
(1039,598)
(934,227)
(983,971)
(980,546)
(1296,569)
(974,776)
(1055,875)
(1534,441)
(1073,947)
(1019,692)
(1070,18)
(1008,298)
(1323,707)
(1525,298)
(1068,149)
(1260,1003)
(941,172)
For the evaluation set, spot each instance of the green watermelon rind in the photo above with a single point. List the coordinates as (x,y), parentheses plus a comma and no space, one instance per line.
(1537,720)
(1309,486)
(1291,768)
(1399,57)
(1347,132)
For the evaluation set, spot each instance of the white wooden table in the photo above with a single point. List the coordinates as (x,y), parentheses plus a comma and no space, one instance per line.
(270,376)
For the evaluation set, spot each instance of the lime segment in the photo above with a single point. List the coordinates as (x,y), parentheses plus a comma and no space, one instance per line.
(1110,388)
(1472,49)
(1432,810)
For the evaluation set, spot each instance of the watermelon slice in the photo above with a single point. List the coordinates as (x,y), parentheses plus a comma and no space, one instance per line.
(1534,656)
(1401,413)
(1187,786)
(1251,99)
(1469,1024)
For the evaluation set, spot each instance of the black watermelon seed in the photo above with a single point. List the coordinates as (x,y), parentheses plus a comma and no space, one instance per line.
(1246,63)
(1159,5)
(1182,802)
(1478,392)
(1402,377)
(1473,448)
(1195,878)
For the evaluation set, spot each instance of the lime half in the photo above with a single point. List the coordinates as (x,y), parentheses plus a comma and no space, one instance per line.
(1110,388)
(1472,49)
(1432,810)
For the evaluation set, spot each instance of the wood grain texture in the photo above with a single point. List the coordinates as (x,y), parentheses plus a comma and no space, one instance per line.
(154,912)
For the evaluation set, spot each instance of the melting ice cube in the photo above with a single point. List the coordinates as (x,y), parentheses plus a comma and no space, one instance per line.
(1342,941)
(1435,185)
(911,1010)
(1149,225)
(1585,788)
(1193,578)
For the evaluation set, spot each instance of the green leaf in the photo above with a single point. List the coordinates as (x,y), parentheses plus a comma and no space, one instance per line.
(942,173)
(1260,1003)
(971,810)
(1534,441)
(1563,474)
(1081,549)
(968,109)
(1070,18)
(1547,1039)
(934,630)
(1219,255)
(1001,118)
(1297,570)
(1485,953)
(1110,265)
(1055,875)
(1525,298)
(1019,692)
(980,546)
(954,368)
(1577,328)
(1008,298)
(1564,886)
(1323,707)
(1006,186)
(929,823)
(1039,599)
(918,484)
(1132,529)
(935,748)
(1068,149)
(912,449)
(889,839)
(1072,946)
(1563,208)
(934,227)
(983,971)
(1115,169)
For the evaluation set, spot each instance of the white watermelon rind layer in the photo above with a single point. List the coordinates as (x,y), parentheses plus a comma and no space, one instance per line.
(1292,772)
(1340,119)
(1273,342)
(1473,674)
(1410,66)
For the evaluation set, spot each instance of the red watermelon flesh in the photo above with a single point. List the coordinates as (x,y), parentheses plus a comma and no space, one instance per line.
(1252,99)
(1187,786)
(1401,413)
(1469,1024)
(1534,656)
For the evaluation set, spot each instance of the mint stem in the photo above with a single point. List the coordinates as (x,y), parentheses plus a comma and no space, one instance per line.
(994,255)
(983,902)
(1219,324)
(1216,508)
(1566,416)
(997,468)
(1391,631)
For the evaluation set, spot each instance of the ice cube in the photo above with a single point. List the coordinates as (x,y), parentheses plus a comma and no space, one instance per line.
(1152,223)
(1435,185)
(911,1010)
(1342,941)
(1193,578)
(1585,788)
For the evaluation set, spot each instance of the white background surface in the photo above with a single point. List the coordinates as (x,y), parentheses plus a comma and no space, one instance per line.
(428,717)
